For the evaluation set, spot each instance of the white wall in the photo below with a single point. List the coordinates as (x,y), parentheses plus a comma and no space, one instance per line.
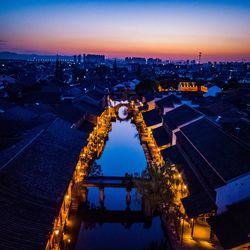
(213,91)
(151,105)
(233,192)
(156,126)
(167,109)
(189,103)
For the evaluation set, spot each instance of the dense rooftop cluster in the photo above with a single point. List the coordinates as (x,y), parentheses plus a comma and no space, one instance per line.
(213,162)
(45,120)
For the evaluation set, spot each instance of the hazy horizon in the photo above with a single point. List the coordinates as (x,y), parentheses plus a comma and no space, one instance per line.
(121,58)
(173,30)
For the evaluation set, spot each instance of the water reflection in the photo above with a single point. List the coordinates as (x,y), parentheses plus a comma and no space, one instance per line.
(123,152)
(115,198)
(117,224)
(113,236)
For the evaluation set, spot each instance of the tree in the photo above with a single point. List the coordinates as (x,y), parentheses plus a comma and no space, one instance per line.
(156,187)
(146,86)
(78,73)
(231,84)
(95,170)
(159,192)
(59,71)
(115,67)
(138,70)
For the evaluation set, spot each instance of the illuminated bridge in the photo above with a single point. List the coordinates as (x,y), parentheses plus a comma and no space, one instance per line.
(102,182)
(109,181)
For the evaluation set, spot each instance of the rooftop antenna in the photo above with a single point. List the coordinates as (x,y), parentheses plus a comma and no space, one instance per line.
(200,57)
(218,118)
(237,131)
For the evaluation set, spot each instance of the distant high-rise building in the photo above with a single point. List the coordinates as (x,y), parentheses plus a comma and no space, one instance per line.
(152,61)
(200,57)
(79,58)
(59,70)
(75,59)
(96,59)
(139,60)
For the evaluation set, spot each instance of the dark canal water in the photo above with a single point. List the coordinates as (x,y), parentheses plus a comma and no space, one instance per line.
(122,154)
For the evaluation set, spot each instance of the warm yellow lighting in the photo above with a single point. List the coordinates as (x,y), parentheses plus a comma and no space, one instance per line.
(96,140)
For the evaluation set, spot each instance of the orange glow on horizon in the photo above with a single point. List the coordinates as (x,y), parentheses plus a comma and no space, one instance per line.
(66,46)
(165,31)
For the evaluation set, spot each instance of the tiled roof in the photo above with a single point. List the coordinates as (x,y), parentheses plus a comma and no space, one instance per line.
(18,113)
(89,108)
(151,117)
(69,112)
(198,204)
(217,108)
(41,97)
(180,116)
(161,136)
(168,101)
(173,154)
(240,129)
(227,156)
(95,95)
(33,184)
(198,201)
(16,121)
(149,97)
(232,227)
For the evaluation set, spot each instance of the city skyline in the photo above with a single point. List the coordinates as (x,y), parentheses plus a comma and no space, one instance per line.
(174,30)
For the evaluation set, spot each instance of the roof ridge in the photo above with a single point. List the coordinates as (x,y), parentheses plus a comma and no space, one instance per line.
(26,146)
(235,139)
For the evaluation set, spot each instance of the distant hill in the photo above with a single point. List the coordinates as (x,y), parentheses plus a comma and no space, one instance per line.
(6,55)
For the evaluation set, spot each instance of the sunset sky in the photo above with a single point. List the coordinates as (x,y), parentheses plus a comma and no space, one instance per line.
(167,29)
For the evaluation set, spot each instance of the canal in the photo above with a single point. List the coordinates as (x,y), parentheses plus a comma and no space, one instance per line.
(122,155)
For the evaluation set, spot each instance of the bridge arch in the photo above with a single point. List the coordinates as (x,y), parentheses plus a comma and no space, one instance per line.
(127,108)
